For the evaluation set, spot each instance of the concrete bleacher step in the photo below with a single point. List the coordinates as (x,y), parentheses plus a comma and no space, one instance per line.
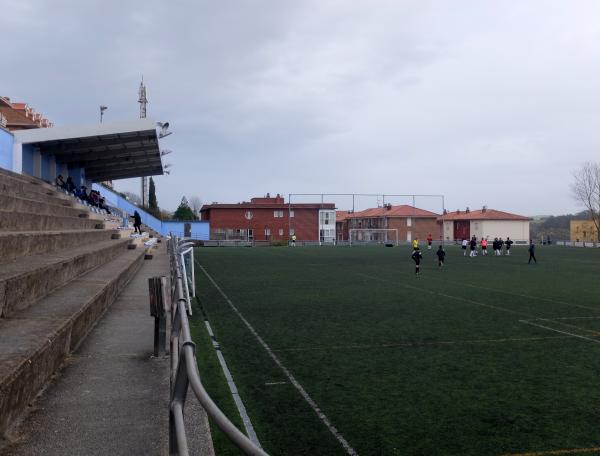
(27,279)
(23,191)
(23,243)
(35,343)
(18,204)
(28,221)
(5,173)
(30,185)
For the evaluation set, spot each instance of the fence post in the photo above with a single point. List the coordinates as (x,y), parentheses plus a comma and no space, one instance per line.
(157,289)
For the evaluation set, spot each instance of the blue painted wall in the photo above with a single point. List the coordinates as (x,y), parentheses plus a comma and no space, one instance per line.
(78,176)
(6,149)
(28,151)
(200,228)
(46,169)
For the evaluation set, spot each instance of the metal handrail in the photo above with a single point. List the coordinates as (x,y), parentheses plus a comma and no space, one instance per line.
(185,374)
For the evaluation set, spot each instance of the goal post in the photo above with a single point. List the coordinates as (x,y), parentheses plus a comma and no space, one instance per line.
(373,236)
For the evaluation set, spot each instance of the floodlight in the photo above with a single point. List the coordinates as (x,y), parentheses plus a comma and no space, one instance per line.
(102,109)
(164,127)
(165,152)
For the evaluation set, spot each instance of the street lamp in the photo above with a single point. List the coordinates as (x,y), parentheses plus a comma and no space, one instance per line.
(102,109)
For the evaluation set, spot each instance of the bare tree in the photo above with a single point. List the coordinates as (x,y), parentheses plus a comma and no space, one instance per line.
(195,204)
(134,198)
(586,190)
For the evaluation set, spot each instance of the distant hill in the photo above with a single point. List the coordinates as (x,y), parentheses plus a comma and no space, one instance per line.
(556,227)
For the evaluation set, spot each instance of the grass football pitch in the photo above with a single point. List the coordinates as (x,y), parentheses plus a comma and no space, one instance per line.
(486,356)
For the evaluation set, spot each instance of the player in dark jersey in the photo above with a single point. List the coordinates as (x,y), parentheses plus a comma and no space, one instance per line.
(531,252)
(508,243)
(473,245)
(416,256)
(441,254)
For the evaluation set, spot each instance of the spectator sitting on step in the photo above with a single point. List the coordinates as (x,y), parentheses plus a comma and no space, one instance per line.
(70,185)
(59,182)
(102,205)
(94,198)
(83,194)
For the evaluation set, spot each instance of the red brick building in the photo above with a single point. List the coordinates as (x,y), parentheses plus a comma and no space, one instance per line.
(410,223)
(270,219)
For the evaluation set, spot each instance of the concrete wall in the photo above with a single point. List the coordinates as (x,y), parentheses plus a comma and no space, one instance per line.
(517,230)
(6,149)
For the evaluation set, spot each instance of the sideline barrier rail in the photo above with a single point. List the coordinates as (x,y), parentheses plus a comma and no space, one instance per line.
(184,368)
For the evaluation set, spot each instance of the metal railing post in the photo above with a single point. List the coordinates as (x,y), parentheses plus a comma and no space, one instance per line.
(184,367)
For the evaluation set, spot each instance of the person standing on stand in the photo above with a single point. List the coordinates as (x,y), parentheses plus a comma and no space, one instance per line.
(137,222)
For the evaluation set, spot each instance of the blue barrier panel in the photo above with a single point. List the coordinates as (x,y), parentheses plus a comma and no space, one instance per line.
(6,150)
(200,229)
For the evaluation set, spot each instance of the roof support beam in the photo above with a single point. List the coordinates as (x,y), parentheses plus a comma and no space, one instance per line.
(125,175)
(117,154)
(87,144)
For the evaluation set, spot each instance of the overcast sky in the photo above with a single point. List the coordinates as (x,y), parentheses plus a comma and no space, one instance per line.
(486,102)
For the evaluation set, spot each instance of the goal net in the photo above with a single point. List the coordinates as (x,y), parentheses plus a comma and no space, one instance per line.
(373,236)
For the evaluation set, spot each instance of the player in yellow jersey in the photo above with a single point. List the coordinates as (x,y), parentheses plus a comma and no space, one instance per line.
(415,244)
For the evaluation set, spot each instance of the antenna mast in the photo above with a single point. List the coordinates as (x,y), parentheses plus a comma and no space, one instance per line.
(143,101)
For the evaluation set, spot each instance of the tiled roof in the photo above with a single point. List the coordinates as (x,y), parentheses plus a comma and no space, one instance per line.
(402,210)
(480,214)
(246,205)
(20,116)
(340,216)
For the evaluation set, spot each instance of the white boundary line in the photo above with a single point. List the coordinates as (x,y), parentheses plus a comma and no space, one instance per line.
(234,391)
(337,434)
(559,331)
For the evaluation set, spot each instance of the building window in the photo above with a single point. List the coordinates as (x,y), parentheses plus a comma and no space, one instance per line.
(248,215)
(267,231)
(278,214)
(292,231)
(291,214)
(280,231)
(409,221)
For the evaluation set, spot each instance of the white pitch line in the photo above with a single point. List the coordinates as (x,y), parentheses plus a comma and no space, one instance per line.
(337,434)
(233,388)
(559,331)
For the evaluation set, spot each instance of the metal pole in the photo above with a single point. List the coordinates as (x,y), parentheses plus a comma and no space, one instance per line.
(443,210)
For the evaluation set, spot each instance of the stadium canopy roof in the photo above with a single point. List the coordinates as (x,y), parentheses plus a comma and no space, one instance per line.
(107,151)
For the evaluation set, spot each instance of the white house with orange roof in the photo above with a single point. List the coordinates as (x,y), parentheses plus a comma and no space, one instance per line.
(485,223)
